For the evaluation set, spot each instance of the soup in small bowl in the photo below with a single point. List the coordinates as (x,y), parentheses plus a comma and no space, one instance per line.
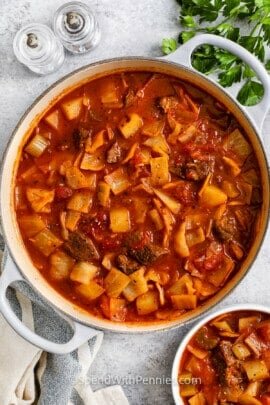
(225,359)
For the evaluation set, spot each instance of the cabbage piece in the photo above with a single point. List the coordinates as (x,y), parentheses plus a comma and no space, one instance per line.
(118,181)
(137,286)
(154,128)
(76,179)
(169,201)
(98,141)
(37,145)
(31,224)
(221,274)
(72,219)
(158,144)
(233,166)
(237,144)
(94,162)
(180,242)
(156,218)
(46,242)
(195,237)
(131,152)
(130,125)
(198,399)
(182,286)
(40,199)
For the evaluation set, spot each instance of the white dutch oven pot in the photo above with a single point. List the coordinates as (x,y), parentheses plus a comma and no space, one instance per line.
(19,266)
(180,351)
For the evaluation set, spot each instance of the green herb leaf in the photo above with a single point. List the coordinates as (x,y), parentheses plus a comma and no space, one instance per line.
(184,36)
(251,93)
(188,21)
(267,65)
(168,45)
(233,75)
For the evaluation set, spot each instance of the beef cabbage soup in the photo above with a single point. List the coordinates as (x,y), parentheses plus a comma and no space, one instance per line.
(136,196)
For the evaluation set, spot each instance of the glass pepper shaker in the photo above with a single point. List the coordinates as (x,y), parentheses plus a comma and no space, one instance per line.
(76,27)
(36,46)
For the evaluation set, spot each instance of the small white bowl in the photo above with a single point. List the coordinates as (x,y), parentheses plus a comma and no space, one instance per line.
(178,357)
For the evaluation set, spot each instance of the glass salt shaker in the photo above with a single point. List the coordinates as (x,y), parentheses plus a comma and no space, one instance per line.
(76,27)
(36,46)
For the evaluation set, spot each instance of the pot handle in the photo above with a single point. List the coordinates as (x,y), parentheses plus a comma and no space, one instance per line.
(183,55)
(81,334)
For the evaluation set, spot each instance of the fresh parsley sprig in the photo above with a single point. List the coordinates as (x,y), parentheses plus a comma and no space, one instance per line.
(221,17)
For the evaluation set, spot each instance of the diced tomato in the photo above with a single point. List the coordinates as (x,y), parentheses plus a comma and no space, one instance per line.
(63,192)
(137,158)
(266,357)
(264,331)
(105,305)
(204,371)
(265,399)
(110,242)
(186,193)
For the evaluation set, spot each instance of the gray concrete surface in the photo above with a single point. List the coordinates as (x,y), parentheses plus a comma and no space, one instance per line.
(128,28)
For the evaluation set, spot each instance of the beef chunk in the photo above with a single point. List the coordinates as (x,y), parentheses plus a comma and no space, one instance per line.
(79,137)
(194,170)
(81,247)
(225,229)
(114,153)
(146,254)
(226,349)
(219,364)
(126,264)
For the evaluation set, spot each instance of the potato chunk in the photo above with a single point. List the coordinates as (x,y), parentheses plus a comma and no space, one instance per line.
(61,265)
(119,219)
(159,171)
(54,119)
(115,282)
(212,196)
(81,201)
(129,126)
(72,108)
(83,272)
(184,301)
(147,303)
(256,369)
(90,291)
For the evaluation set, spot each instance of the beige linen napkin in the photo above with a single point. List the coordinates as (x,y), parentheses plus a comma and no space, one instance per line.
(30,376)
